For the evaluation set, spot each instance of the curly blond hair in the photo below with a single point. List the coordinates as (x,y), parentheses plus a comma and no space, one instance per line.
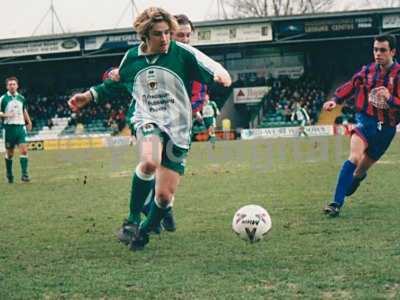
(146,20)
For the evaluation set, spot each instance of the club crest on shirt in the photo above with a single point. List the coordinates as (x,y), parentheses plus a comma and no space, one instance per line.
(151,80)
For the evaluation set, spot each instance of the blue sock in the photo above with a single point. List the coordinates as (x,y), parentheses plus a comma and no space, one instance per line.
(344,181)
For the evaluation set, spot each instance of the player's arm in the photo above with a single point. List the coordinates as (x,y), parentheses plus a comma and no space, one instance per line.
(216,109)
(198,117)
(2,113)
(129,115)
(292,116)
(385,99)
(27,119)
(308,119)
(207,70)
(392,100)
(6,115)
(345,91)
(108,89)
(80,100)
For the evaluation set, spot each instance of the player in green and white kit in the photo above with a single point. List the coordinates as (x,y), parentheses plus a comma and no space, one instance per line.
(13,111)
(209,113)
(158,74)
(300,114)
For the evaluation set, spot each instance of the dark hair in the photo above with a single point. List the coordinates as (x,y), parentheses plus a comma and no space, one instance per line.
(391,39)
(184,20)
(12,78)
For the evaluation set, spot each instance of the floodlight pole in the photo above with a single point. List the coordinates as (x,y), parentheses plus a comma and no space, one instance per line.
(133,8)
(221,8)
(54,15)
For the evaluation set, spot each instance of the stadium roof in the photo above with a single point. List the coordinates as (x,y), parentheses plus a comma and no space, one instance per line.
(208,23)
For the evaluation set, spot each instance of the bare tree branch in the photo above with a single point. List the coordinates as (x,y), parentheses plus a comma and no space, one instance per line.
(264,8)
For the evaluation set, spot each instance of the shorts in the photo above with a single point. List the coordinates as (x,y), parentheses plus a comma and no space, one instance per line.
(172,157)
(14,135)
(209,122)
(375,135)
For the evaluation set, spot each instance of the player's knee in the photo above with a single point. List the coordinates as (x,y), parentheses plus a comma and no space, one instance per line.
(354,161)
(148,166)
(24,152)
(355,157)
(164,197)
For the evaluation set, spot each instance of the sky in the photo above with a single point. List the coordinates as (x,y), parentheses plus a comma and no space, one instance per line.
(21,18)
(86,15)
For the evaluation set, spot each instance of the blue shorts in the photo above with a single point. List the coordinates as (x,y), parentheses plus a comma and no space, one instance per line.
(375,135)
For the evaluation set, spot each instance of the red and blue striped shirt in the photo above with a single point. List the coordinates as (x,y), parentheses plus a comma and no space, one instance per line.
(199,90)
(359,87)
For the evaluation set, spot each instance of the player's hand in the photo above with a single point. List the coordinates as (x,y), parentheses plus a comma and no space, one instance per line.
(199,119)
(79,100)
(223,78)
(29,126)
(329,105)
(114,75)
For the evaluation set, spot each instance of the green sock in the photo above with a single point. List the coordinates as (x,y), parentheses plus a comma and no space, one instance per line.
(24,165)
(154,217)
(9,163)
(142,185)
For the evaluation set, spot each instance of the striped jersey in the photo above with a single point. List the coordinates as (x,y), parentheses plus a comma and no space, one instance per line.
(360,86)
(199,91)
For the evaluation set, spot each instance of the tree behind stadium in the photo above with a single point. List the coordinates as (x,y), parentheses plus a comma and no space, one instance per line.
(264,8)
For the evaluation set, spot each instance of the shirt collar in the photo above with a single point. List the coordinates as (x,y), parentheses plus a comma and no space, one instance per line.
(141,53)
(9,94)
(379,67)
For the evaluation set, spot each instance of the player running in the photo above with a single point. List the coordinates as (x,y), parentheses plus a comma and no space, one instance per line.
(198,95)
(16,121)
(376,91)
(209,113)
(158,73)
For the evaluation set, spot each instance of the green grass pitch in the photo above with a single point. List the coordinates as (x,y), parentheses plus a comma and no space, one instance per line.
(57,234)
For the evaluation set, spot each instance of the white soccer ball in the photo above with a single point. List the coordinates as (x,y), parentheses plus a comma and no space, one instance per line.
(251,223)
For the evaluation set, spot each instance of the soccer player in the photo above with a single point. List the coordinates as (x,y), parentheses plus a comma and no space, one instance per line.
(16,122)
(300,114)
(376,91)
(182,34)
(210,112)
(158,73)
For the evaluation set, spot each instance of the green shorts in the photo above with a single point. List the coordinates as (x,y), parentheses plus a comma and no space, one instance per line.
(209,122)
(14,135)
(173,157)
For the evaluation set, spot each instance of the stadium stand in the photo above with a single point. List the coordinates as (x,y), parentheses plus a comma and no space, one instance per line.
(279,104)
